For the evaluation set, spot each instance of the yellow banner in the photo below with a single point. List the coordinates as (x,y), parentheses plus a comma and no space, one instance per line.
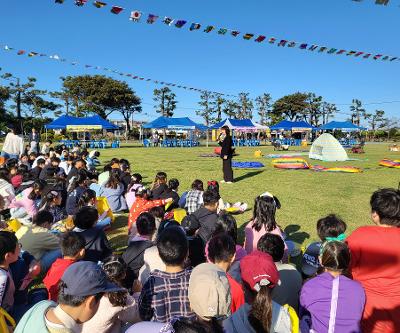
(83,128)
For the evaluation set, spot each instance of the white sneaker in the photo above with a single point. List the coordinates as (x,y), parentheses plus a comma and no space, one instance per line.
(229,182)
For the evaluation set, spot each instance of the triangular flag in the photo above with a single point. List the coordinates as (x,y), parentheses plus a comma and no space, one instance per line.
(56,57)
(341,52)
(116,9)
(282,42)
(291,44)
(195,26)
(350,53)
(152,18)
(209,28)
(235,33)
(222,31)
(180,23)
(332,50)
(32,54)
(248,36)
(135,16)
(260,39)
(394,58)
(381,2)
(99,4)
(376,57)
(59,1)
(80,3)
(367,56)
(167,20)
(313,47)
(21,52)
(358,54)
(7,48)
(303,46)
(272,40)
(385,58)
(322,49)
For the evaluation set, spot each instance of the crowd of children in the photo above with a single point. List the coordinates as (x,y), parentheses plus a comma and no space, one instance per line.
(183,269)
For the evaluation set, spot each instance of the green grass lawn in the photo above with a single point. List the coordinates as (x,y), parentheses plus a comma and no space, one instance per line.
(305,195)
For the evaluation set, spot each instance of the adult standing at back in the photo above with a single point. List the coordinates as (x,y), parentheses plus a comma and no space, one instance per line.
(13,144)
(225,141)
(34,139)
(375,263)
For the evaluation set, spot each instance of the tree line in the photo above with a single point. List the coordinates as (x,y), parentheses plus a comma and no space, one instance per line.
(84,95)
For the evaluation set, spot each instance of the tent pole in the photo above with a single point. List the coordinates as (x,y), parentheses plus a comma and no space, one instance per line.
(46,133)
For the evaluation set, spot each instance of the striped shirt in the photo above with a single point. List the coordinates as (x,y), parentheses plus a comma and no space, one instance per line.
(165,296)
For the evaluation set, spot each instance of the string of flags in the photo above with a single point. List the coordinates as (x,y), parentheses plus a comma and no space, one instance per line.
(56,57)
(139,16)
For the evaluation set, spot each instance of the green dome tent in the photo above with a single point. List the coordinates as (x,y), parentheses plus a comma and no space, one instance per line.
(327,148)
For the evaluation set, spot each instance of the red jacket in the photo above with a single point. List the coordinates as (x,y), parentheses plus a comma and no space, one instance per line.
(140,206)
(54,275)
(237,294)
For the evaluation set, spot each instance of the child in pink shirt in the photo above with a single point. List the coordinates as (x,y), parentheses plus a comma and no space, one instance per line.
(263,222)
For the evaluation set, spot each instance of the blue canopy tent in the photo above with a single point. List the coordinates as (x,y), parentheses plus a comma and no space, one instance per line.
(96,121)
(287,125)
(84,124)
(293,126)
(344,126)
(175,124)
(239,125)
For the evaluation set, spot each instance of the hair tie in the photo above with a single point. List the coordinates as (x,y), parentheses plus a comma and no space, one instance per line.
(339,238)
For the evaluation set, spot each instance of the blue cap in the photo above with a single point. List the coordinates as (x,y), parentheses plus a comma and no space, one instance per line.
(85,278)
(310,262)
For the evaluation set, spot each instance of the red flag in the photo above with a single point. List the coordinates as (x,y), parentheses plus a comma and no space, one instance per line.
(116,9)
(260,39)
(21,52)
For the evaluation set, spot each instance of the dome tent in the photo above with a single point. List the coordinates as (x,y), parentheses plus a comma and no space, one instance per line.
(327,148)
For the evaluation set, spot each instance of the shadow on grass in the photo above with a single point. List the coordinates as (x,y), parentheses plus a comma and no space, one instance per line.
(294,233)
(248,175)
(118,235)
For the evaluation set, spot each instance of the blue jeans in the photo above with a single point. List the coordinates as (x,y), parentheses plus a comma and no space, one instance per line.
(48,258)
(8,156)
(104,223)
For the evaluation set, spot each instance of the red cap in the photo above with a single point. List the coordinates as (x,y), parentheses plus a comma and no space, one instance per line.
(258,269)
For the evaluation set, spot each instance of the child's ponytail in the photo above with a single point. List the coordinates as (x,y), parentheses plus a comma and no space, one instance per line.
(260,316)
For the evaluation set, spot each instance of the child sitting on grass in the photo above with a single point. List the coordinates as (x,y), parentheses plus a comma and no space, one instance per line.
(97,247)
(329,228)
(193,199)
(73,249)
(160,186)
(134,254)
(143,204)
(263,222)
(165,294)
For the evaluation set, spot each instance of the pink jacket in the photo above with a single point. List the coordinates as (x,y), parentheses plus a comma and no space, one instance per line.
(22,201)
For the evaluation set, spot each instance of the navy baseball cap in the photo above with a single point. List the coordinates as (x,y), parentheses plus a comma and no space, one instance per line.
(85,278)
(310,262)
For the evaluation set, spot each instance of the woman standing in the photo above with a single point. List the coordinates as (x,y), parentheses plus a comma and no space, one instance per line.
(225,141)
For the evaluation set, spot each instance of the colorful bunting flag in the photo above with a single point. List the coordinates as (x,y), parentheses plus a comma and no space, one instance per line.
(350,53)
(116,9)
(32,54)
(80,3)
(376,57)
(99,4)
(272,40)
(291,44)
(59,1)
(152,18)
(367,56)
(209,28)
(21,52)
(248,36)
(303,46)
(7,48)
(282,42)
(167,20)
(358,54)
(180,23)
(195,26)
(135,16)
(381,2)
(385,58)
(332,51)
(322,49)
(222,31)
(260,39)
(235,33)
(313,47)
(341,51)
(394,58)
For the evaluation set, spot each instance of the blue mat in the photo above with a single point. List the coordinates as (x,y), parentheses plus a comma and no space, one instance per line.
(247,165)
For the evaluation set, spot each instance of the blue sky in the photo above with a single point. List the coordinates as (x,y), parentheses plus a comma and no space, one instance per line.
(222,63)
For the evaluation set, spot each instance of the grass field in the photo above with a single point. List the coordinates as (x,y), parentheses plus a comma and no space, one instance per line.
(305,195)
